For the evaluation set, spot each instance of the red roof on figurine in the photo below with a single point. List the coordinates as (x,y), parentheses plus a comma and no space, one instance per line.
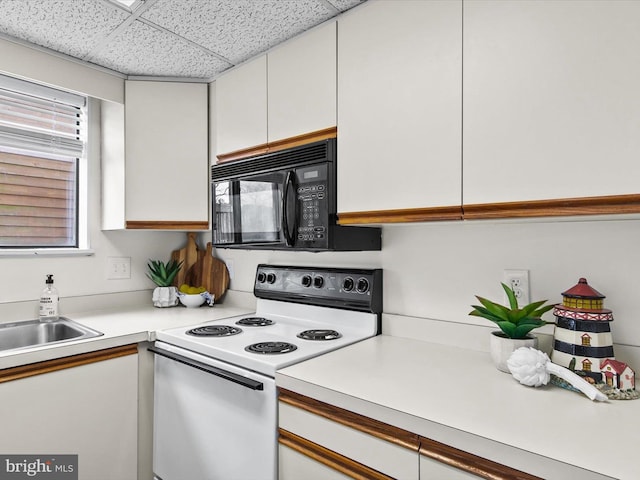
(617,366)
(582,290)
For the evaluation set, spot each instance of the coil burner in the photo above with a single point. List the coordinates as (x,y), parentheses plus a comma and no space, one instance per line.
(255,322)
(214,331)
(320,334)
(271,348)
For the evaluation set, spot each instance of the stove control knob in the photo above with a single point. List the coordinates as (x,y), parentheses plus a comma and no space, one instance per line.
(262,277)
(271,278)
(318,282)
(362,286)
(348,284)
(306,281)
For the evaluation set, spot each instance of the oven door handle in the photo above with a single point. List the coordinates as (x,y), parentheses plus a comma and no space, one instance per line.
(218,372)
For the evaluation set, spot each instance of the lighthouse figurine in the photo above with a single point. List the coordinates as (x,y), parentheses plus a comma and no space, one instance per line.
(583,342)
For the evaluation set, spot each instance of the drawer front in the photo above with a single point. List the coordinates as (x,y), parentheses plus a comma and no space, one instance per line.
(296,462)
(384,456)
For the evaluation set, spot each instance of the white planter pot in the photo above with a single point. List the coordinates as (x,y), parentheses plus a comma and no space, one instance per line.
(501,348)
(165,297)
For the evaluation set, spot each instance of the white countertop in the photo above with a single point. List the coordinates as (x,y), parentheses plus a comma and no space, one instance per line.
(458,397)
(120,326)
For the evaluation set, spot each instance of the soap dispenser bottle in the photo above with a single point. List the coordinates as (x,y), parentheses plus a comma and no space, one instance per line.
(49,301)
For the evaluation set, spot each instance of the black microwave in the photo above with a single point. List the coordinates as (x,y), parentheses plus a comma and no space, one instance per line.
(284,200)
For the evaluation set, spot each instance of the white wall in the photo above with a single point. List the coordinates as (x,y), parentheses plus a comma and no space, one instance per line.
(434,270)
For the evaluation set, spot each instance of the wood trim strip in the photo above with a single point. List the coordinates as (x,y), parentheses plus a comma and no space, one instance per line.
(353,420)
(166,225)
(468,462)
(244,153)
(401,216)
(325,133)
(604,205)
(329,458)
(48,366)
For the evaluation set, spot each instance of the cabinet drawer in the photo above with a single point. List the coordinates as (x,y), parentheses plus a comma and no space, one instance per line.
(358,438)
(299,458)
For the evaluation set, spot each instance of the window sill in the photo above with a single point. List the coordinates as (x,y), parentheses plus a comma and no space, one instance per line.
(46,252)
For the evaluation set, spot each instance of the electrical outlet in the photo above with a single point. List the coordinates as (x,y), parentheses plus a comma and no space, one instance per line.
(518,280)
(118,268)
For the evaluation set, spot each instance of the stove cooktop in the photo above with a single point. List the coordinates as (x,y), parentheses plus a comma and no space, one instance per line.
(233,347)
(300,313)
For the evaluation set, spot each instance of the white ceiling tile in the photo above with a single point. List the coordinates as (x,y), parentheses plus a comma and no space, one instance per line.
(143,50)
(240,29)
(70,27)
(206,31)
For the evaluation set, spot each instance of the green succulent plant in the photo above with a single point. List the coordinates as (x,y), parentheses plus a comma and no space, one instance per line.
(162,274)
(514,322)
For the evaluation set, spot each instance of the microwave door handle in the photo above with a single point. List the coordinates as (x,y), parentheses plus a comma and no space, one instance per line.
(218,372)
(288,186)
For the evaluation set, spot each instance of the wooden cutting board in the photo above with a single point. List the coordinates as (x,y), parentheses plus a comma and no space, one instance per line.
(211,273)
(189,256)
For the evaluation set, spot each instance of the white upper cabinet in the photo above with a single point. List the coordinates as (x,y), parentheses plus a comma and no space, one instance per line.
(241,107)
(155,157)
(399,105)
(166,152)
(551,99)
(290,91)
(302,84)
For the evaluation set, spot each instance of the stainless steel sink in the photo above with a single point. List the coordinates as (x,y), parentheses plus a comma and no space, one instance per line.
(31,333)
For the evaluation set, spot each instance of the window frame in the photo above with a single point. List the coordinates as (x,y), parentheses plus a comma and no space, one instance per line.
(82,246)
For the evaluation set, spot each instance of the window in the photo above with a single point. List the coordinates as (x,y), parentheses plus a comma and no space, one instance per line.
(42,155)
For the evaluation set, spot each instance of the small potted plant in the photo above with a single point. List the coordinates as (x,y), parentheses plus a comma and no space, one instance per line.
(163,274)
(515,325)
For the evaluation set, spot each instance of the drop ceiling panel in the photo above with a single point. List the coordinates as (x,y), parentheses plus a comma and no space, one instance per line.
(70,27)
(163,38)
(237,30)
(143,50)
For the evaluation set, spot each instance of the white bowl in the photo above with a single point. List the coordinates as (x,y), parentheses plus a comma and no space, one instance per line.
(191,301)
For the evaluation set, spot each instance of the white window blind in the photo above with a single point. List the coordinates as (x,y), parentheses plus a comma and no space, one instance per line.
(42,141)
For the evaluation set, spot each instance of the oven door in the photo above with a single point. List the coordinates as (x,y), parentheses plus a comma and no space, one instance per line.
(212,420)
(255,210)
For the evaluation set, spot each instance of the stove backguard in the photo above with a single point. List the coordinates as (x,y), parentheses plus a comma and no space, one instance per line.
(346,288)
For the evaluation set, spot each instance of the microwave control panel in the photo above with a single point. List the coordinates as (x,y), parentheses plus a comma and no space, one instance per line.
(313,203)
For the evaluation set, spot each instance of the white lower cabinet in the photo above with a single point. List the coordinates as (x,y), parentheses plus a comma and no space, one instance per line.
(322,441)
(295,465)
(85,405)
(433,470)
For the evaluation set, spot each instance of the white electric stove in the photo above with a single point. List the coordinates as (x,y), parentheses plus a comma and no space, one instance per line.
(215,394)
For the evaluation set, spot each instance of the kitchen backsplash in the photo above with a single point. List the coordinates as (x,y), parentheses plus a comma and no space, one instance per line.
(431,271)
(434,270)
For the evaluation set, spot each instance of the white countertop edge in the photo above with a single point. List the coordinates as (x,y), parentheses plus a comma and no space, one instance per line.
(473,421)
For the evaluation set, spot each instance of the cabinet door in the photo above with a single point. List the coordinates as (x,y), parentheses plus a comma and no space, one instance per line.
(241,107)
(433,470)
(89,410)
(399,105)
(551,99)
(293,465)
(302,84)
(166,150)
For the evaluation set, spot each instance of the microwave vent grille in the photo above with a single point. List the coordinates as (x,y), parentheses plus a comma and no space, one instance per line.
(306,154)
